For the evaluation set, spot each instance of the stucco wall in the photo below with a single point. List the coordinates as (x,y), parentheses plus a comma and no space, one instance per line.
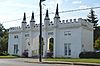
(74,39)
(87,39)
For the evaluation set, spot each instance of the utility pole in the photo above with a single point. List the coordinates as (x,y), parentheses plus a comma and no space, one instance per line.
(40,37)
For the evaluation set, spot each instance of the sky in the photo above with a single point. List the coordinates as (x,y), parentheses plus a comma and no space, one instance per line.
(11,11)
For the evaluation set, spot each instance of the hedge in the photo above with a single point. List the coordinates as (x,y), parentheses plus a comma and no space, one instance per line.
(89,55)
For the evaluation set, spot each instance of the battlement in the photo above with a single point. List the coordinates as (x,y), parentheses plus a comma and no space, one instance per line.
(63,23)
(69,21)
(15,28)
(36,26)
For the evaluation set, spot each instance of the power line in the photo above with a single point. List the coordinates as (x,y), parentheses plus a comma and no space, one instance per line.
(76,10)
(54,13)
(79,9)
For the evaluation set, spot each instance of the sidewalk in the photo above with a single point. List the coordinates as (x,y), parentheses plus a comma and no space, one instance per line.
(30,60)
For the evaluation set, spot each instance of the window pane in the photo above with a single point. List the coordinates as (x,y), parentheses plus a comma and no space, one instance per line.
(65,48)
(15,49)
(69,49)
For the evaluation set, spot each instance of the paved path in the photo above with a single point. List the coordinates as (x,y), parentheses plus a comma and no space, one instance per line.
(30,60)
(23,62)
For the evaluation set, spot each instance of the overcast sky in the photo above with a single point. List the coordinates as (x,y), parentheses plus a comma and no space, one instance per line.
(14,9)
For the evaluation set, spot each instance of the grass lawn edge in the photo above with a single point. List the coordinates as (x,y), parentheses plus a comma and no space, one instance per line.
(74,60)
(7,57)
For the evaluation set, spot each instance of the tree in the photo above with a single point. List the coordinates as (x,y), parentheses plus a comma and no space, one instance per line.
(92,18)
(3,39)
(97,44)
(4,42)
(96,33)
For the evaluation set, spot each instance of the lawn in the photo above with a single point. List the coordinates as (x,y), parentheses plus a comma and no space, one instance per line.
(5,57)
(74,60)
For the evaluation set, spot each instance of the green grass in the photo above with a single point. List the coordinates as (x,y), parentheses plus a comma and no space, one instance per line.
(74,60)
(4,57)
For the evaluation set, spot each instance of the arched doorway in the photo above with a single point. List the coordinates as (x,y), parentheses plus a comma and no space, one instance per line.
(51,43)
(50,47)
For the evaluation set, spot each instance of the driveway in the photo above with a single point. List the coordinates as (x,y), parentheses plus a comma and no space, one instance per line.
(21,62)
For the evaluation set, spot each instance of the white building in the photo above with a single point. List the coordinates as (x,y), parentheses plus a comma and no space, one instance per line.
(70,37)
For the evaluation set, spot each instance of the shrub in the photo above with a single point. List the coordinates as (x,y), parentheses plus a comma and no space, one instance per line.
(3,54)
(15,55)
(49,55)
(25,54)
(89,55)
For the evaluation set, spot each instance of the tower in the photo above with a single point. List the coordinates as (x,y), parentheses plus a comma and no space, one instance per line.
(32,21)
(46,24)
(46,19)
(24,21)
(56,31)
(56,18)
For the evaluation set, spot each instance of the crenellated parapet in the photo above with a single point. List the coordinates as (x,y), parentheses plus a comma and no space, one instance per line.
(69,21)
(15,29)
(51,24)
(63,23)
(74,23)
